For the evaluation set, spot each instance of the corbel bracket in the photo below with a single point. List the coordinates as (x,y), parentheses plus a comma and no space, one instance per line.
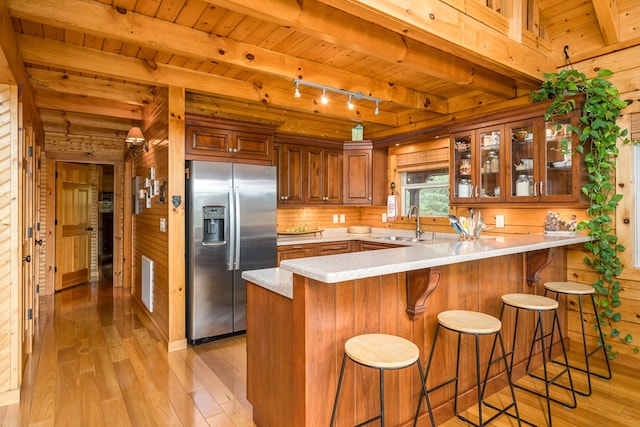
(420,284)
(536,262)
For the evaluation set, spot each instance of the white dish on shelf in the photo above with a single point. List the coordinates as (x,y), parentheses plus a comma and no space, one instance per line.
(563,164)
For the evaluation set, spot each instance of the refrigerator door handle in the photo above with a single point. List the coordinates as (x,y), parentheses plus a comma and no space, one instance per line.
(236,233)
(232,229)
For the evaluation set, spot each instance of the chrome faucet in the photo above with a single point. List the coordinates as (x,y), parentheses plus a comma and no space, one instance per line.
(416,209)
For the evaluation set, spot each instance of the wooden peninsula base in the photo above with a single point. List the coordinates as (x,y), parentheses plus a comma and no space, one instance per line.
(295,346)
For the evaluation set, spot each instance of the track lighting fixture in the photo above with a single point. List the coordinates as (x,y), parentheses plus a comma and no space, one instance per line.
(324,100)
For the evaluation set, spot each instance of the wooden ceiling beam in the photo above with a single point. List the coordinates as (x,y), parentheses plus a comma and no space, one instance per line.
(436,23)
(12,71)
(115,125)
(84,104)
(102,20)
(89,86)
(608,19)
(60,55)
(375,39)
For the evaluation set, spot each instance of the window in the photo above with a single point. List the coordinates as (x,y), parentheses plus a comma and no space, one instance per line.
(428,189)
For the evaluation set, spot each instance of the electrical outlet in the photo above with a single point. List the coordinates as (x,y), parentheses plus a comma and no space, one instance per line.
(342,219)
(499,221)
(335,218)
(163,225)
(384,217)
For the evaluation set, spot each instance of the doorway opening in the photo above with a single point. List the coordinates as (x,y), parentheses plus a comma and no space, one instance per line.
(105,222)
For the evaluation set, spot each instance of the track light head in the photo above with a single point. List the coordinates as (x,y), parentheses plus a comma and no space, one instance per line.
(349,103)
(323,98)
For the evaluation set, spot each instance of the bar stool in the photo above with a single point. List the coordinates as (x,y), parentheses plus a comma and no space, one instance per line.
(580,290)
(382,352)
(476,324)
(540,304)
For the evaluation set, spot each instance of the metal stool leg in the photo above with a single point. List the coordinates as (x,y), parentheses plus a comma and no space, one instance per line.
(585,350)
(539,335)
(335,402)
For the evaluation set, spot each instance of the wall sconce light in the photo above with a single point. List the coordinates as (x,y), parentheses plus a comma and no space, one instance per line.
(136,141)
(351,95)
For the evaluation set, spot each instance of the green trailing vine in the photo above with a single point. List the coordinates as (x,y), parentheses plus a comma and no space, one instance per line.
(599,132)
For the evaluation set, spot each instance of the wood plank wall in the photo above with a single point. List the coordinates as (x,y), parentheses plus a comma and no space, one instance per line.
(10,334)
(149,241)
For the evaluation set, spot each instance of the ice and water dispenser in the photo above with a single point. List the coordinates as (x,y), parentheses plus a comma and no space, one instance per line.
(213,227)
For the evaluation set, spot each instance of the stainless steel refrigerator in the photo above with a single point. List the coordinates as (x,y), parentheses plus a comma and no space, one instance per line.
(231,227)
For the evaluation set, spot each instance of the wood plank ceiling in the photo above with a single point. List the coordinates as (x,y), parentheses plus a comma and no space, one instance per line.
(95,65)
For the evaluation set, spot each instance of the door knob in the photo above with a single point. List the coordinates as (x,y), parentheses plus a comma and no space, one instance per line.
(27,258)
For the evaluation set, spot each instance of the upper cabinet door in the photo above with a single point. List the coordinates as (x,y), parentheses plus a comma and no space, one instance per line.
(357,180)
(478,172)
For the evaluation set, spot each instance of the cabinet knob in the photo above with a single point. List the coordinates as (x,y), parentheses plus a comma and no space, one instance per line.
(230,150)
(235,150)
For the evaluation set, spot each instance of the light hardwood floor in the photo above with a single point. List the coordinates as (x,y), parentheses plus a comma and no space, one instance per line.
(97,364)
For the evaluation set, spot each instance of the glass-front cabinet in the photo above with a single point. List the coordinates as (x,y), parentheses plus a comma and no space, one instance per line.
(517,157)
(541,166)
(478,174)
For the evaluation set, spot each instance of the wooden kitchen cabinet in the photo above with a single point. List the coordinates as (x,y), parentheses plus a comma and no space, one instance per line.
(477,172)
(309,171)
(333,248)
(553,175)
(296,251)
(328,248)
(228,140)
(516,157)
(290,160)
(364,174)
(324,175)
(372,246)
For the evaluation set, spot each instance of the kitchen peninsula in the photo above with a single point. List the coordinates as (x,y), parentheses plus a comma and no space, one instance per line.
(300,315)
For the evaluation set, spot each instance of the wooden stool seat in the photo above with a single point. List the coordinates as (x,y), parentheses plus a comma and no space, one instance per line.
(382,351)
(530,302)
(571,288)
(469,322)
(477,324)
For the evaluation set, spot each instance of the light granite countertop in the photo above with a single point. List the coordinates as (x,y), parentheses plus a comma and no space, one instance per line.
(357,265)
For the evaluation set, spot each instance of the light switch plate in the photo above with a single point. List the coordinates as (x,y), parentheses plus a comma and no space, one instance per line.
(499,221)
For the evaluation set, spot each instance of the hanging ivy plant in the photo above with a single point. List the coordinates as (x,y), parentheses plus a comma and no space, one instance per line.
(598,127)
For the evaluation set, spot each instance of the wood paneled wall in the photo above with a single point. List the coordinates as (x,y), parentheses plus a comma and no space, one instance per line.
(149,241)
(10,251)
